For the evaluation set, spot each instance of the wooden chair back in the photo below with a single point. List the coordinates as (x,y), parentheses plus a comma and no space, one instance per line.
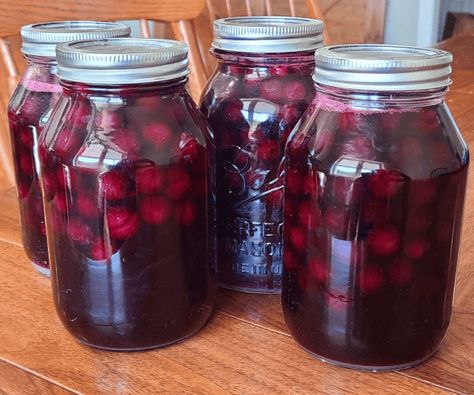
(16,13)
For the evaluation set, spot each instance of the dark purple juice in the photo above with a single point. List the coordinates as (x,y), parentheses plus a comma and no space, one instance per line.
(373,210)
(28,112)
(128,200)
(253,103)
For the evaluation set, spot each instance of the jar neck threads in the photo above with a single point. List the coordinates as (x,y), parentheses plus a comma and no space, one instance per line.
(256,59)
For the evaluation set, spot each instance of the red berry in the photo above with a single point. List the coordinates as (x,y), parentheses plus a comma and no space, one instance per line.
(289,114)
(275,198)
(126,141)
(60,202)
(122,223)
(271,89)
(86,206)
(157,133)
(155,210)
(400,272)
(179,183)
(187,213)
(384,241)
(79,232)
(268,151)
(318,270)
(189,147)
(310,185)
(279,71)
(294,90)
(98,250)
(298,238)
(371,279)
(294,181)
(232,111)
(235,69)
(149,179)
(336,220)
(305,213)
(26,164)
(384,184)
(416,249)
(114,185)
(26,137)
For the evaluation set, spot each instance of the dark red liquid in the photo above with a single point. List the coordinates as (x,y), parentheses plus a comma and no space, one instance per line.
(27,115)
(252,106)
(128,203)
(373,210)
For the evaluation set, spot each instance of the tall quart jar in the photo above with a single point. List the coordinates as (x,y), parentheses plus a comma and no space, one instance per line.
(259,90)
(371,247)
(129,223)
(28,112)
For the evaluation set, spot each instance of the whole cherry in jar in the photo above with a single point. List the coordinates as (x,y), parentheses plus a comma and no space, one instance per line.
(28,112)
(260,88)
(374,196)
(129,225)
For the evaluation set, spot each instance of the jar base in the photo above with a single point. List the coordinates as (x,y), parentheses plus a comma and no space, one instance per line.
(369,368)
(45,271)
(146,348)
(251,290)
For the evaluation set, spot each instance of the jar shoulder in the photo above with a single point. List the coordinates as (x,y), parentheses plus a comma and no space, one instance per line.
(419,142)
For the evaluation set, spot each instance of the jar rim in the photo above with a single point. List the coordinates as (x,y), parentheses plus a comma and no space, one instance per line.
(382,67)
(122,61)
(40,39)
(267,34)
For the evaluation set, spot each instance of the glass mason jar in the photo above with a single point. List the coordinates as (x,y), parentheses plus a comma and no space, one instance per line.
(374,195)
(127,161)
(260,88)
(28,112)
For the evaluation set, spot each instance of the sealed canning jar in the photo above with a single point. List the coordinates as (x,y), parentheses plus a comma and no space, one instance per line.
(127,161)
(259,90)
(374,195)
(28,112)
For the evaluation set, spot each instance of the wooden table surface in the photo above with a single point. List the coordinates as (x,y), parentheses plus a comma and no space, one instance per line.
(245,347)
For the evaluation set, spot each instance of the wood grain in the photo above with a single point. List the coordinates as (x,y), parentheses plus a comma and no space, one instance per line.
(16,13)
(17,381)
(227,357)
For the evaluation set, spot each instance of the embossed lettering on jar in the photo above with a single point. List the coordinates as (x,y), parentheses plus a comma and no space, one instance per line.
(259,90)
(28,112)
(376,178)
(129,223)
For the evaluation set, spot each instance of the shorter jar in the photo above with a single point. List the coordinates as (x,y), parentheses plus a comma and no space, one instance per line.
(260,88)
(374,195)
(130,218)
(28,112)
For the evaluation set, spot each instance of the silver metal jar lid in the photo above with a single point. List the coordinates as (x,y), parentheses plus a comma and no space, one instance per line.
(122,61)
(41,39)
(267,34)
(374,67)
